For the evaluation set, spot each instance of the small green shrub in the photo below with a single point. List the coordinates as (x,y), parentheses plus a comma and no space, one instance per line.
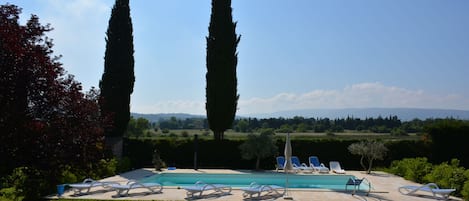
(124,164)
(105,168)
(185,134)
(444,175)
(330,133)
(206,133)
(465,189)
(447,175)
(413,169)
(11,193)
(67,175)
(24,183)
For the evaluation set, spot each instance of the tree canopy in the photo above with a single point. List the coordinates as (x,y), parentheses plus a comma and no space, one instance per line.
(46,122)
(118,79)
(222,59)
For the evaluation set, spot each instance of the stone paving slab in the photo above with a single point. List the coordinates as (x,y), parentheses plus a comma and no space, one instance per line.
(384,188)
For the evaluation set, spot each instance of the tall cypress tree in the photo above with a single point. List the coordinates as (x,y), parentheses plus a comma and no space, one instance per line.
(222,59)
(118,79)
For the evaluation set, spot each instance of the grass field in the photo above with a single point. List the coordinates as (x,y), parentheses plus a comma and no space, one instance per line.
(184,134)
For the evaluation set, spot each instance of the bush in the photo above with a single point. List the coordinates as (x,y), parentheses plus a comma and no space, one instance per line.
(413,169)
(123,165)
(447,175)
(465,190)
(398,132)
(24,184)
(105,168)
(444,175)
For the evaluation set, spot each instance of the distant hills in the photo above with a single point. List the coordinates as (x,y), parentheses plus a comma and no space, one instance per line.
(165,116)
(404,114)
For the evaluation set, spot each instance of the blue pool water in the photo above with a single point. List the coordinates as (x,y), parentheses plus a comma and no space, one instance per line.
(334,182)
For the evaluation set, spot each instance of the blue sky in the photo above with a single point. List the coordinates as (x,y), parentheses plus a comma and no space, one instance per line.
(298,54)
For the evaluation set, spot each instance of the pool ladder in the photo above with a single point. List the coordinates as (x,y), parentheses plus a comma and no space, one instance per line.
(356,184)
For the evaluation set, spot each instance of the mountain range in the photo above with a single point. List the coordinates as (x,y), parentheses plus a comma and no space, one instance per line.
(404,114)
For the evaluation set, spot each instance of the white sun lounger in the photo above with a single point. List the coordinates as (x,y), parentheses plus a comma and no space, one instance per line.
(430,187)
(200,187)
(335,167)
(123,189)
(255,188)
(86,186)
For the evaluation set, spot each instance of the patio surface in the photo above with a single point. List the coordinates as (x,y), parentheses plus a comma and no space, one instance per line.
(384,187)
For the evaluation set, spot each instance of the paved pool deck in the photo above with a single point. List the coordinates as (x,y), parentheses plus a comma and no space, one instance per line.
(384,188)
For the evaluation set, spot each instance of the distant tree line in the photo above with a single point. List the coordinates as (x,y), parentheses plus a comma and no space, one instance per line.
(390,124)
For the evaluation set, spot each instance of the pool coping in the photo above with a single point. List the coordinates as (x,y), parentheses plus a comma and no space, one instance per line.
(384,185)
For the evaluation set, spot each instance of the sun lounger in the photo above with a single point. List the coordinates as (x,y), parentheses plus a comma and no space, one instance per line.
(316,165)
(281,164)
(430,187)
(123,189)
(356,183)
(200,187)
(301,166)
(86,186)
(258,189)
(335,167)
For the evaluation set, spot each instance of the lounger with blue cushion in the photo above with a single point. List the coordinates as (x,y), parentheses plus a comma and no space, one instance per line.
(316,165)
(258,189)
(436,191)
(123,189)
(281,164)
(298,165)
(199,187)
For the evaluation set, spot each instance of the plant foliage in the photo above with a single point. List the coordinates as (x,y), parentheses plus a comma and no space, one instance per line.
(259,146)
(222,59)
(46,122)
(118,79)
(369,151)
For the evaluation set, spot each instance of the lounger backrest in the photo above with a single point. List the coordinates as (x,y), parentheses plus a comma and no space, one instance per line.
(280,161)
(313,160)
(335,165)
(295,161)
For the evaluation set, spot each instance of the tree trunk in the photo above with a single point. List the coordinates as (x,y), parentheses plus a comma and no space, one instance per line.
(218,135)
(258,161)
(362,163)
(115,145)
(370,164)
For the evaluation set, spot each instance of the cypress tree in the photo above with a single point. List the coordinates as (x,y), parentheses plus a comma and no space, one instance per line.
(118,79)
(222,58)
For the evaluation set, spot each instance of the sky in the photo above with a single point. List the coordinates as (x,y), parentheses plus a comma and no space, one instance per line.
(301,54)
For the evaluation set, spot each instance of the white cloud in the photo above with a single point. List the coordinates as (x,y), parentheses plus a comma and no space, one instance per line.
(363,95)
(178,106)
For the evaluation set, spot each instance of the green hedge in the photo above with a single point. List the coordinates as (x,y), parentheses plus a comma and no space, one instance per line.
(226,154)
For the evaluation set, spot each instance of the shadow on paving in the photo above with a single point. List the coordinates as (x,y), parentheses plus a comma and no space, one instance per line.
(137,174)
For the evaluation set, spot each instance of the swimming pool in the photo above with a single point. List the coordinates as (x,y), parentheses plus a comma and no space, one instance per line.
(334,182)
